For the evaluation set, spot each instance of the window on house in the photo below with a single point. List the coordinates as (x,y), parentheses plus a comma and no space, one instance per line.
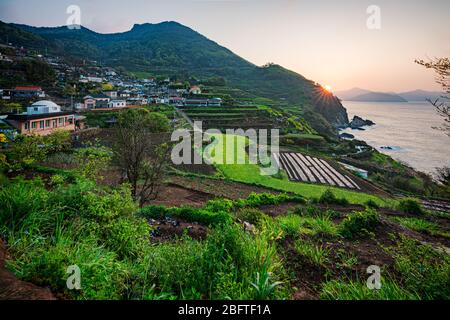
(33,125)
(47,123)
(61,120)
(41,124)
(26,126)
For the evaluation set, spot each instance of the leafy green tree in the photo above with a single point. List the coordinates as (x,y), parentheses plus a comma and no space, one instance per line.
(141,151)
(27,150)
(58,141)
(92,160)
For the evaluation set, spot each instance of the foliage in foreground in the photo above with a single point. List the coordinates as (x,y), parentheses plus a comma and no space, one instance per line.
(338,290)
(359,224)
(98,230)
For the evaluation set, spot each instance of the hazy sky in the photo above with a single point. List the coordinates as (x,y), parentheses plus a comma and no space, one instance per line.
(325,40)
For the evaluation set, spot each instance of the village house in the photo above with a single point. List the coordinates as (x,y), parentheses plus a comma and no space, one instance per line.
(140,101)
(84,79)
(177,101)
(203,102)
(125,94)
(195,90)
(6,94)
(42,118)
(96,101)
(215,102)
(111,93)
(196,102)
(117,104)
(28,92)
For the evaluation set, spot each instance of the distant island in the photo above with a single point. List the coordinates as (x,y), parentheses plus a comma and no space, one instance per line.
(362,95)
(378,97)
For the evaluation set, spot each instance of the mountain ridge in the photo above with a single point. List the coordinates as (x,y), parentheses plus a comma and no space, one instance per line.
(363,95)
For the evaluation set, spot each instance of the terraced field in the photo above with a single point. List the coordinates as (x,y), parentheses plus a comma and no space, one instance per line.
(222,118)
(309,169)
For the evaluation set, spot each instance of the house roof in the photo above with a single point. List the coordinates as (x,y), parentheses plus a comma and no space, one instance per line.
(28,88)
(45,103)
(26,117)
(97,96)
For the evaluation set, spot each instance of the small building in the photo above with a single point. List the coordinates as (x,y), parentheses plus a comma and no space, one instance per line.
(117,104)
(28,92)
(139,101)
(177,101)
(42,118)
(96,101)
(195,90)
(6,94)
(124,94)
(215,102)
(196,102)
(111,93)
(357,171)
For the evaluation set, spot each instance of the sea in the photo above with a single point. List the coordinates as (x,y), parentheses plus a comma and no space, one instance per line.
(404,131)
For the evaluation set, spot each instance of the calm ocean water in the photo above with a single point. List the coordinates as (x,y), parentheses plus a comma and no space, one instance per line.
(407,128)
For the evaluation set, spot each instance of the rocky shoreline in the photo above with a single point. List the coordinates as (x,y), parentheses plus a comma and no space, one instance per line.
(358,123)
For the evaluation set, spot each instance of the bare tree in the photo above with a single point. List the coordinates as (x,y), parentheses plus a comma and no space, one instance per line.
(141,150)
(441,67)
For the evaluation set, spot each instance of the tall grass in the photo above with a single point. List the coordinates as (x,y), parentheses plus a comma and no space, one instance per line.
(97,228)
(315,254)
(390,290)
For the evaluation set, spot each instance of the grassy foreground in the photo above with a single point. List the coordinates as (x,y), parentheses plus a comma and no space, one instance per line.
(309,251)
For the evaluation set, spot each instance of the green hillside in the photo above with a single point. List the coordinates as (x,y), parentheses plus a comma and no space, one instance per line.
(171,49)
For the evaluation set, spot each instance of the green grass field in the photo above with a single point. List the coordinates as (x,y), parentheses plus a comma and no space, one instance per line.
(251,173)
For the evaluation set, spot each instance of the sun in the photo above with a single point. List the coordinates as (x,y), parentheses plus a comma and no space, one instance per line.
(327,88)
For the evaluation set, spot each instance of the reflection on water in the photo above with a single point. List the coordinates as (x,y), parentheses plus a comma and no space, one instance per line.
(404,131)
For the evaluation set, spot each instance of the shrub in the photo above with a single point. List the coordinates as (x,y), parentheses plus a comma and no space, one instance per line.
(126,236)
(411,206)
(216,205)
(328,197)
(250,215)
(26,150)
(106,206)
(262,199)
(371,204)
(58,141)
(92,160)
(202,216)
(154,212)
(359,224)
(57,179)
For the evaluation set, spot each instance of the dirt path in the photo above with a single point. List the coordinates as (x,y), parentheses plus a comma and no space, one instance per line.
(12,288)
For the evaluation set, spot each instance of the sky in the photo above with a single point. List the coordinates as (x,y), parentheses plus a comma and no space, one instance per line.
(327,41)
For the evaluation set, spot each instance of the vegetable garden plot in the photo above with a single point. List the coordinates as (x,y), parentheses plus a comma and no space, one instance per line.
(309,169)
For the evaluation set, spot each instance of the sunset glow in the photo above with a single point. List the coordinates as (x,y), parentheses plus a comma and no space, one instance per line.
(327,88)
